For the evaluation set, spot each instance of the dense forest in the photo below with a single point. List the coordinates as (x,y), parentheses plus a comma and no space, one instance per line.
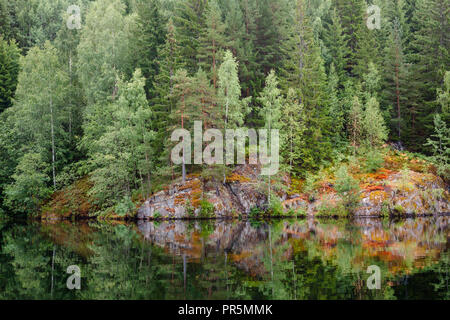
(97,93)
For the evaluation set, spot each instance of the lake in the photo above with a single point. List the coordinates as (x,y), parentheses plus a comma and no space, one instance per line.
(276,259)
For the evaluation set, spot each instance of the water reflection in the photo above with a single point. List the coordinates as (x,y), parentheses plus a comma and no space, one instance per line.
(283,259)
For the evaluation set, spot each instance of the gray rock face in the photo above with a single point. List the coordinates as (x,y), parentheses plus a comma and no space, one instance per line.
(417,193)
(237,196)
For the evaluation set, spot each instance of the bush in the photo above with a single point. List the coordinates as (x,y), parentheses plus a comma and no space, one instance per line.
(275,207)
(124,207)
(157,215)
(348,188)
(374,161)
(189,208)
(255,212)
(399,209)
(207,209)
(29,187)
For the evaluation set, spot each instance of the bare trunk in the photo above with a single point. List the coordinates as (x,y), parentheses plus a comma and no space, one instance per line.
(53,142)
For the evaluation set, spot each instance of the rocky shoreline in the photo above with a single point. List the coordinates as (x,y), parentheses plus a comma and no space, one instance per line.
(391,193)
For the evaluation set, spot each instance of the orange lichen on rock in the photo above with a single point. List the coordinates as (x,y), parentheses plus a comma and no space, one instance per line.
(374,188)
(237,178)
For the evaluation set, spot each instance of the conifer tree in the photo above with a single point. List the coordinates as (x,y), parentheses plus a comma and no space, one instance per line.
(9,70)
(169,61)
(212,40)
(395,82)
(304,71)
(337,49)
(292,131)
(351,14)
(230,92)
(374,129)
(355,125)
(149,35)
(430,58)
(189,23)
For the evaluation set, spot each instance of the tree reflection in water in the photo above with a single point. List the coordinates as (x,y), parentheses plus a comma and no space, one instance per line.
(282,259)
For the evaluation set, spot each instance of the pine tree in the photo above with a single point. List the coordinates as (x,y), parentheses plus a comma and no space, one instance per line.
(395,82)
(355,123)
(248,59)
(351,13)
(183,109)
(204,98)
(374,129)
(337,110)
(5,20)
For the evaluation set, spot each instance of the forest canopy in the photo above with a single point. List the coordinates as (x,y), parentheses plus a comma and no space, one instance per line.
(101,98)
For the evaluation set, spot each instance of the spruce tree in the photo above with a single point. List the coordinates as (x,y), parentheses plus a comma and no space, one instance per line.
(9,70)
(430,58)
(212,40)
(149,35)
(304,71)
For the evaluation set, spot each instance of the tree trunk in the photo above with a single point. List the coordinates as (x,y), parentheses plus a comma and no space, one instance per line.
(53,142)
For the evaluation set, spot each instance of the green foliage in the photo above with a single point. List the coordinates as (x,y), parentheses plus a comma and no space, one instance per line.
(309,68)
(9,71)
(275,207)
(373,160)
(125,207)
(206,209)
(440,145)
(255,212)
(347,187)
(399,209)
(156,215)
(29,188)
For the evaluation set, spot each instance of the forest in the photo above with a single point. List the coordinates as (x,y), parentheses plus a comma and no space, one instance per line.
(95,93)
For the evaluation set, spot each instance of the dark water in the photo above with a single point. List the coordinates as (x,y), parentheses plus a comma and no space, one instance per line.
(284,259)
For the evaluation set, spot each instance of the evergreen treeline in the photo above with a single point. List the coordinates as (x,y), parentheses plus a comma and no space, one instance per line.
(103,100)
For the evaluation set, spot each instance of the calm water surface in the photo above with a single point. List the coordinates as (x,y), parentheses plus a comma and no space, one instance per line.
(283,259)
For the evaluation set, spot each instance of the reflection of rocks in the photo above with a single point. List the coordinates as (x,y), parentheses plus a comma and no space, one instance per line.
(403,245)
(178,237)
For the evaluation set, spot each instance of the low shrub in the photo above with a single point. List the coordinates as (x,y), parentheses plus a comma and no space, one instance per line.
(348,188)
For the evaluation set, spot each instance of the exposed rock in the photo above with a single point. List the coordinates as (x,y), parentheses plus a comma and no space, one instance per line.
(237,196)
(416,193)
(400,193)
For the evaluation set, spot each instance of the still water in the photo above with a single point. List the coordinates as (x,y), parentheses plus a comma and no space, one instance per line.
(281,259)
